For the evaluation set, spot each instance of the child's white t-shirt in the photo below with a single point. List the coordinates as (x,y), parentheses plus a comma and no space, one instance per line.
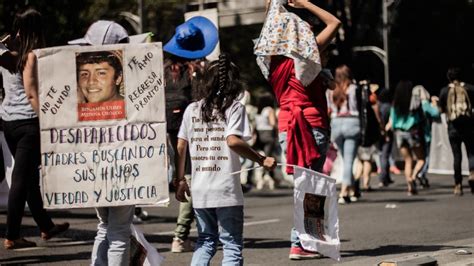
(212,160)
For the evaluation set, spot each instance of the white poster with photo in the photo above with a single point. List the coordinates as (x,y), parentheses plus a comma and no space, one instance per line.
(315,214)
(103,126)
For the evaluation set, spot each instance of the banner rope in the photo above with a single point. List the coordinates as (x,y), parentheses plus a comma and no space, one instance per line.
(282,165)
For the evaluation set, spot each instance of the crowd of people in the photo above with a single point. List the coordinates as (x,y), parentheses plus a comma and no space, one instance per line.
(311,112)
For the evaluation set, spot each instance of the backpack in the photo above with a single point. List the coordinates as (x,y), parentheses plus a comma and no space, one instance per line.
(178,97)
(370,127)
(458,102)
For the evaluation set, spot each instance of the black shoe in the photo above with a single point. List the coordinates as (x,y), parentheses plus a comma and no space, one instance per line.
(246,188)
(56,230)
(471,184)
(425,183)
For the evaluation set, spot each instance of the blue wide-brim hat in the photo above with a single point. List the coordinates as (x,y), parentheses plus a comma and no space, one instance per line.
(196,38)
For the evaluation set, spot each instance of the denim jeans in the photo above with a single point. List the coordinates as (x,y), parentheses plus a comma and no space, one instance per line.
(386,150)
(112,242)
(424,169)
(322,142)
(346,135)
(231,223)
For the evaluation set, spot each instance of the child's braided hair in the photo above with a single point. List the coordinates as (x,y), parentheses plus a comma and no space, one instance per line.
(219,87)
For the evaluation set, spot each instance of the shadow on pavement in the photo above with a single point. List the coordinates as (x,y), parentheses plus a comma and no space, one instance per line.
(396,249)
(257,243)
(269,194)
(21,259)
(398,200)
(72,233)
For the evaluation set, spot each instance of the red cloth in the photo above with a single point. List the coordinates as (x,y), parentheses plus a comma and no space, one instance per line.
(301,109)
(290,90)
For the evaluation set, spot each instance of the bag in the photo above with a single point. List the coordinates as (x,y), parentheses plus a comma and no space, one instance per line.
(458,102)
(142,252)
(315,213)
(370,126)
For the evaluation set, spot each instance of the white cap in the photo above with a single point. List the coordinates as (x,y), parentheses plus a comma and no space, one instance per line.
(102,32)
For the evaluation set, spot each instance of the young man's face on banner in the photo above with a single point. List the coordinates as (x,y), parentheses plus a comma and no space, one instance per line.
(99,82)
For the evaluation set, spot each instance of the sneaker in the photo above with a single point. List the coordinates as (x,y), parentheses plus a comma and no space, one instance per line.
(143,215)
(394,170)
(17,244)
(137,220)
(179,245)
(298,253)
(471,185)
(344,200)
(56,230)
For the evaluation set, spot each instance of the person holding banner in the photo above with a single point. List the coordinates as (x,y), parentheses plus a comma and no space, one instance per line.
(288,54)
(21,128)
(112,242)
(215,128)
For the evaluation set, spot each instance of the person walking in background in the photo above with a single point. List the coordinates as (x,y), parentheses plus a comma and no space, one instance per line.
(288,55)
(408,120)
(430,104)
(346,128)
(21,128)
(266,126)
(370,135)
(216,193)
(386,140)
(456,101)
(192,42)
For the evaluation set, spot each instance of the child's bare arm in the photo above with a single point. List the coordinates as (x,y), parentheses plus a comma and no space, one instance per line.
(243,149)
(180,182)
(332,23)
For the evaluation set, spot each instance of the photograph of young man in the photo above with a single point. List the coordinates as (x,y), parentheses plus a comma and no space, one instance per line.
(99,76)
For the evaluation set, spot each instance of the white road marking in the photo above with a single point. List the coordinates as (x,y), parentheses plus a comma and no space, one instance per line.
(245,224)
(29,249)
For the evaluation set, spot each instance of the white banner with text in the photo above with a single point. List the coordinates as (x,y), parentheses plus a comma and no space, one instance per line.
(103,126)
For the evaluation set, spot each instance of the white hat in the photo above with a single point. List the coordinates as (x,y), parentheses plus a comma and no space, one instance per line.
(102,32)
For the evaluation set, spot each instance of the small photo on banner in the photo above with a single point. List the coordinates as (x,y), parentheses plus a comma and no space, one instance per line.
(100,85)
(315,213)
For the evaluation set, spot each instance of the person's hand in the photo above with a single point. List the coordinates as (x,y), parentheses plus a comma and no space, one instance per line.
(269,163)
(298,3)
(434,100)
(181,190)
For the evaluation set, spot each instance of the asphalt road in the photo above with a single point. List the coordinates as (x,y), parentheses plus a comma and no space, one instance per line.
(385,224)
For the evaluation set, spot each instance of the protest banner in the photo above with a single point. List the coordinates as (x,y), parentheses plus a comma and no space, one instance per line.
(315,214)
(103,126)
